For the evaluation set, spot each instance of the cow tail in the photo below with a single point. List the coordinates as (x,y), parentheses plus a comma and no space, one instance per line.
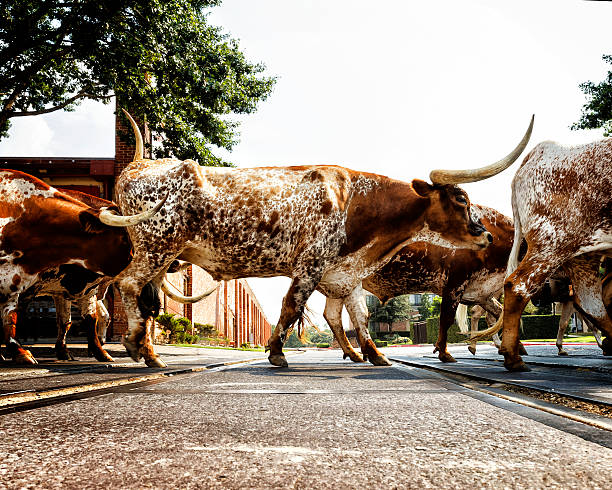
(513,260)
(461,315)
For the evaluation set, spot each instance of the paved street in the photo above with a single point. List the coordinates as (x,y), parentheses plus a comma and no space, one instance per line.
(322,423)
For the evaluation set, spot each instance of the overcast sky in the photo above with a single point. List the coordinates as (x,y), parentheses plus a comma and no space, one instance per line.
(393,87)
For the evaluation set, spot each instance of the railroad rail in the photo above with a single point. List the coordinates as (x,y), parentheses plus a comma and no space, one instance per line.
(573,392)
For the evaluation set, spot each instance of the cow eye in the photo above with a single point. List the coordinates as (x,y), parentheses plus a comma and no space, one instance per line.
(461,199)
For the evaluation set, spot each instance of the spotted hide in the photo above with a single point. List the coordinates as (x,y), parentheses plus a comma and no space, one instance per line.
(52,243)
(562,207)
(325,227)
(457,275)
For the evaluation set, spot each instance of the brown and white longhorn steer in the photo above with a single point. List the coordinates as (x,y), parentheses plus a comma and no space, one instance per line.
(325,227)
(562,207)
(53,243)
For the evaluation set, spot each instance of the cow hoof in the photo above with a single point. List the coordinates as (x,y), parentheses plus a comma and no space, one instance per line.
(606,346)
(278,360)
(132,349)
(25,357)
(155,362)
(102,356)
(472,349)
(516,366)
(563,353)
(446,357)
(379,360)
(64,355)
(521,350)
(355,357)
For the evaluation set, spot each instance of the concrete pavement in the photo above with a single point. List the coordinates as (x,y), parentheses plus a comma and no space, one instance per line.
(321,423)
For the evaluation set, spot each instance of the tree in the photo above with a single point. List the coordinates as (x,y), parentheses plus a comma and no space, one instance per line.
(159,58)
(395,310)
(424,308)
(597,112)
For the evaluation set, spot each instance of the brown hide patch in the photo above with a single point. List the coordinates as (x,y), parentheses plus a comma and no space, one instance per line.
(49,233)
(9,210)
(15,283)
(388,214)
(326,207)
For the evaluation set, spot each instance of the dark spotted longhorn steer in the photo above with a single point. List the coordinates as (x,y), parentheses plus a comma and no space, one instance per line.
(562,207)
(326,227)
(52,243)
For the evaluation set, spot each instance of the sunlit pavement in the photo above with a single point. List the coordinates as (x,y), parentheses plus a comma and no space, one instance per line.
(321,423)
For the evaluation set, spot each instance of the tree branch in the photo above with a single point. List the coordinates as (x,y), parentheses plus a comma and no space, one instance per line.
(80,95)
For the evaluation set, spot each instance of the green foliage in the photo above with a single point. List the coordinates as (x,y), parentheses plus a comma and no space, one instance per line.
(597,112)
(313,337)
(160,58)
(205,330)
(539,326)
(323,345)
(436,306)
(425,308)
(380,343)
(178,329)
(433,326)
(395,310)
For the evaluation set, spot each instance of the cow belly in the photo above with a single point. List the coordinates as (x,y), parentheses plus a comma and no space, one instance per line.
(483,285)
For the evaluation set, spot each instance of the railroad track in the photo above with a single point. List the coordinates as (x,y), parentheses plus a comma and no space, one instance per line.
(79,382)
(573,393)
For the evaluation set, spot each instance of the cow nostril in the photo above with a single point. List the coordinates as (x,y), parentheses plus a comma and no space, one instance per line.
(489,237)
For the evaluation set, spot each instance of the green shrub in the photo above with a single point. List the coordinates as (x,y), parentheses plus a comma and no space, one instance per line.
(539,327)
(380,343)
(205,330)
(433,326)
(323,345)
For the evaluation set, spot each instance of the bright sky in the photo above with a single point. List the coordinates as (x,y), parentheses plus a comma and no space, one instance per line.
(392,87)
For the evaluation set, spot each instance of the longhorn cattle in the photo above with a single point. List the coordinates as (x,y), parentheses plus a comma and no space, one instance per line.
(54,244)
(562,207)
(326,227)
(457,275)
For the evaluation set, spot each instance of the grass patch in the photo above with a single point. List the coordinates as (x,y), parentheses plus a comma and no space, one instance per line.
(573,338)
(200,346)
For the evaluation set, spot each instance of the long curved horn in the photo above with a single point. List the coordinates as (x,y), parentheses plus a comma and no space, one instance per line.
(166,288)
(110,218)
(474,175)
(138,154)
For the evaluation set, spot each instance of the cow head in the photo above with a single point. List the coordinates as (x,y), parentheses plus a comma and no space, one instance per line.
(448,216)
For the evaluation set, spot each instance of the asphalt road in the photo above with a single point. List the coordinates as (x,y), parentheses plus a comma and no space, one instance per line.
(321,423)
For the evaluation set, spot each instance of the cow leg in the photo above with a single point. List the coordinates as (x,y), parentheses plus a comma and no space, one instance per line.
(566,313)
(333,317)
(88,307)
(584,275)
(103,320)
(148,353)
(477,312)
(519,287)
(357,308)
(292,309)
(64,322)
(447,315)
(9,323)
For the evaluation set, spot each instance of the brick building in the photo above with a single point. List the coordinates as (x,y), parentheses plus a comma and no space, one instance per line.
(233,309)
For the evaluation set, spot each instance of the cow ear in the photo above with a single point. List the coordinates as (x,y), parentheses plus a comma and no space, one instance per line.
(91,223)
(422,188)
